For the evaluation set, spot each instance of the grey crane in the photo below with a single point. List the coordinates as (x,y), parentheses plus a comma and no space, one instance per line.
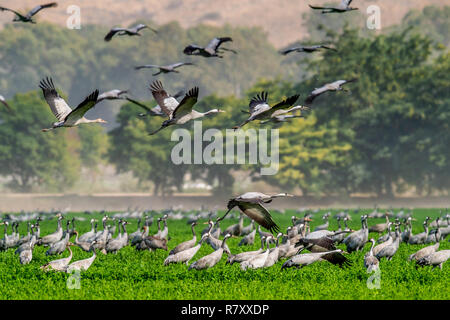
(250,203)
(307,49)
(186,255)
(324,226)
(27,237)
(406,234)
(356,240)
(258,260)
(28,17)
(115,94)
(248,229)
(3,101)
(424,252)
(381,227)
(324,244)
(153,243)
(114,245)
(344,6)
(389,250)
(26,245)
(26,255)
(178,113)
(90,234)
(85,263)
(420,237)
(156,111)
(248,240)
(137,232)
(305,259)
(211,259)
(66,116)
(165,69)
(385,243)
(386,236)
(163,234)
(59,246)
(84,245)
(186,244)
(333,86)
(260,109)
(235,229)
(53,237)
(240,257)
(339,237)
(133,31)
(435,259)
(371,262)
(211,50)
(58,265)
(435,234)
(274,253)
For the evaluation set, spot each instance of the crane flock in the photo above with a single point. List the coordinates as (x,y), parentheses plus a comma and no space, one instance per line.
(321,244)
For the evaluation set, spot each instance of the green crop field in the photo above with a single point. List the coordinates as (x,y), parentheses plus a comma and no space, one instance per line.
(132,274)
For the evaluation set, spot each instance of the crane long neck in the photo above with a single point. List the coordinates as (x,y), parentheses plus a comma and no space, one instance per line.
(193,231)
(371,248)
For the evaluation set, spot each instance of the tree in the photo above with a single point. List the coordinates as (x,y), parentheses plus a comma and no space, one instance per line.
(34,159)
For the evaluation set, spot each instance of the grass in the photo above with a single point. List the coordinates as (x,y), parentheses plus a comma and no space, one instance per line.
(132,274)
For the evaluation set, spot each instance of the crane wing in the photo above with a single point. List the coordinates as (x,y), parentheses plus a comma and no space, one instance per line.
(147,66)
(83,107)
(167,103)
(15,12)
(179,64)
(57,104)
(289,50)
(258,103)
(192,49)
(215,43)
(143,106)
(40,7)
(257,212)
(185,106)
(338,259)
(285,103)
(316,92)
(112,32)
(112,94)
(317,8)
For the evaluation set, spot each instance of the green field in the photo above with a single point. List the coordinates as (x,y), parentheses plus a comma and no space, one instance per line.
(133,274)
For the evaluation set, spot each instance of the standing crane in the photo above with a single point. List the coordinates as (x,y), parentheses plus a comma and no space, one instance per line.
(211,259)
(371,262)
(186,255)
(186,244)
